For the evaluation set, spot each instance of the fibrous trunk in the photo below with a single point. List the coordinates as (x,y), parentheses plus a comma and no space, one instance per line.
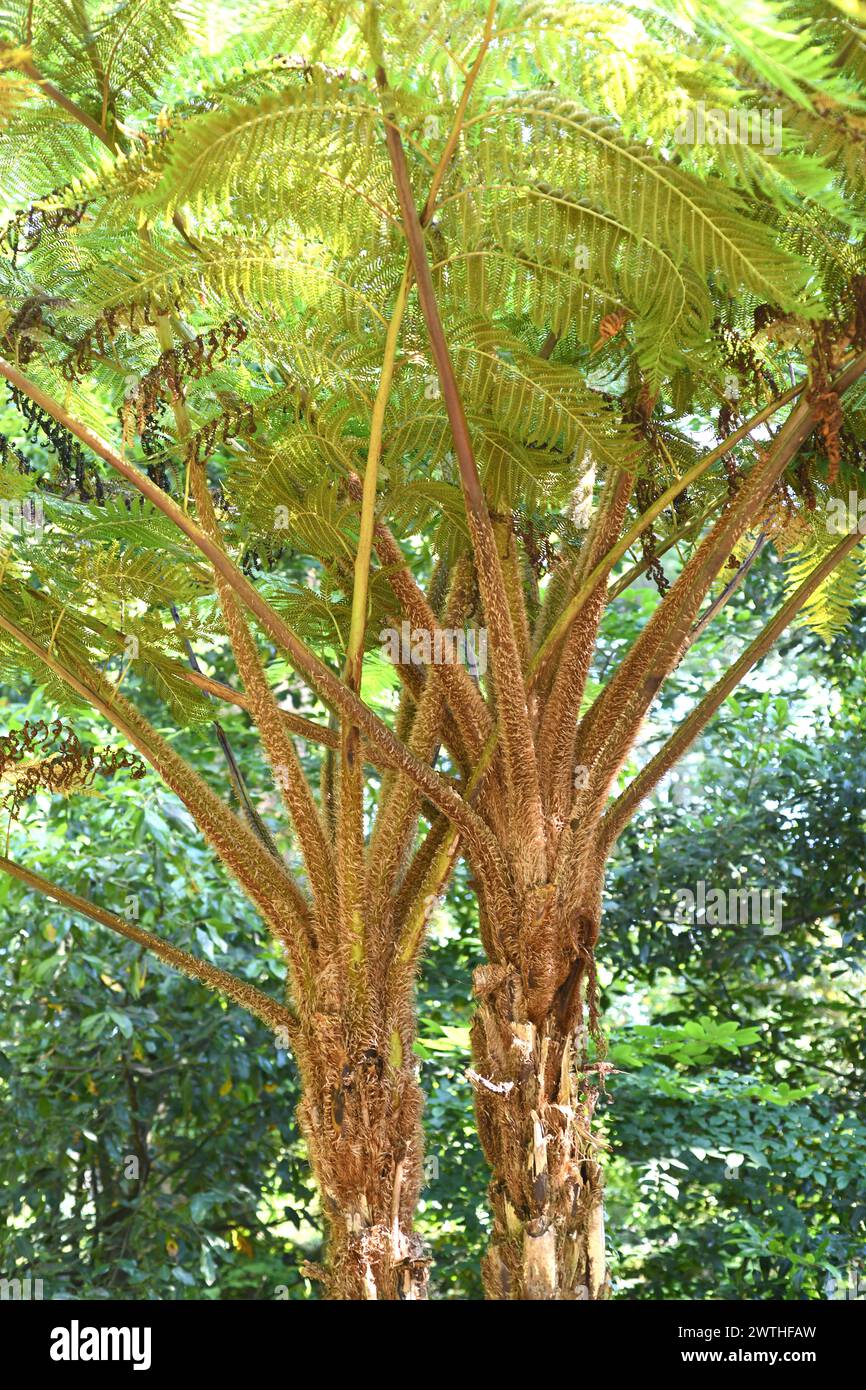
(361,1118)
(535,1097)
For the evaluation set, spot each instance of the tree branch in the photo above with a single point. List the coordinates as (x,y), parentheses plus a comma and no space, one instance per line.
(730,588)
(253,819)
(607,562)
(288,773)
(610,726)
(266,880)
(648,778)
(295,723)
(240,992)
(465,701)
(562,706)
(350,818)
(520,764)
(331,689)
(60,99)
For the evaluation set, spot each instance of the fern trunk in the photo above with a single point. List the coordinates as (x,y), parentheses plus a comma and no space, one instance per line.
(361,1117)
(534,1103)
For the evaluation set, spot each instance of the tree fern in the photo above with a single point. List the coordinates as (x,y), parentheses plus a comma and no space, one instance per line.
(373,316)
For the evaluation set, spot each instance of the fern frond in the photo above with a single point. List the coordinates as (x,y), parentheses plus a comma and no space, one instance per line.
(828,610)
(567,263)
(702,223)
(538,402)
(275,156)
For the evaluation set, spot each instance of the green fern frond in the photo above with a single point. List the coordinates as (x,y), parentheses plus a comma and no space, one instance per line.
(538,402)
(411,503)
(828,610)
(702,223)
(781,52)
(278,154)
(568,263)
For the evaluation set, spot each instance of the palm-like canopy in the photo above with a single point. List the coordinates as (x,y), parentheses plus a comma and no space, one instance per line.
(362,272)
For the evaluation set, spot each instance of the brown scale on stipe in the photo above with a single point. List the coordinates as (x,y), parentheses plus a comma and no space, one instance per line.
(100,337)
(185,362)
(732,474)
(609,328)
(43,757)
(825,400)
(832,340)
